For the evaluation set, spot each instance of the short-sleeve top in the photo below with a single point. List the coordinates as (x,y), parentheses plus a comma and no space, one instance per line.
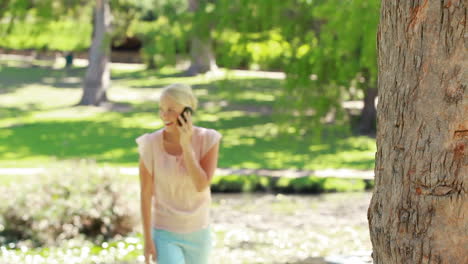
(177,206)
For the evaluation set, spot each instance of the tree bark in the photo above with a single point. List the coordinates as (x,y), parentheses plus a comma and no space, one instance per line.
(202,58)
(97,78)
(419,209)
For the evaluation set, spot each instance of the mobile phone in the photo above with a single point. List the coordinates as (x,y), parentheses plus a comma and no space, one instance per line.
(186,109)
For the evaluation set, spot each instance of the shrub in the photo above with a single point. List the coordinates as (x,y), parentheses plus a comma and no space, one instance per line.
(241,183)
(230,183)
(266,51)
(284,185)
(310,184)
(300,185)
(63,35)
(344,185)
(370,184)
(162,40)
(81,201)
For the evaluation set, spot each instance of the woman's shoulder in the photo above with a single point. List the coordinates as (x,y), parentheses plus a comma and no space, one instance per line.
(156,132)
(204,131)
(150,136)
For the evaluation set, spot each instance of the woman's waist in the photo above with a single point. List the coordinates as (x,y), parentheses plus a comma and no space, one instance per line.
(176,221)
(181,207)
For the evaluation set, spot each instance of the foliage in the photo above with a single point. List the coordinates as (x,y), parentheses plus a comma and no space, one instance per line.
(162,40)
(310,184)
(256,51)
(46,25)
(344,185)
(327,52)
(75,201)
(64,25)
(241,183)
(331,48)
(302,184)
(65,35)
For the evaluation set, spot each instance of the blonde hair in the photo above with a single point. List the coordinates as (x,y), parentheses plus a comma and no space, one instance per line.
(182,94)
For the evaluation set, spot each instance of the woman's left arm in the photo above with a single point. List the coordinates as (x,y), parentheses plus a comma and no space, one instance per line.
(201,172)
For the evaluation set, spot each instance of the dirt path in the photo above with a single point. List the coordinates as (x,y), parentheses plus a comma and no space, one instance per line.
(290,173)
(267,228)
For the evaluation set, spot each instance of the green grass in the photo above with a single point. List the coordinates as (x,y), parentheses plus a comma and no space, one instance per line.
(40,126)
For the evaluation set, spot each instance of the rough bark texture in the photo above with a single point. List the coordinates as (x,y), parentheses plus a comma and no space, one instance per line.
(97,78)
(201,50)
(419,209)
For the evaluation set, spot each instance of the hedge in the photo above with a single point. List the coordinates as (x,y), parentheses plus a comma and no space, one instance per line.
(309,184)
(86,202)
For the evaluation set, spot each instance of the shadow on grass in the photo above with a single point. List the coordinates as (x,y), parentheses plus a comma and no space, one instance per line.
(243,91)
(108,140)
(11,112)
(102,141)
(12,78)
(142,74)
(286,151)
(239,92)
(113,143)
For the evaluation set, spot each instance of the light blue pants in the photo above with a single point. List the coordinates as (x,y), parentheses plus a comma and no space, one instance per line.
(178,248)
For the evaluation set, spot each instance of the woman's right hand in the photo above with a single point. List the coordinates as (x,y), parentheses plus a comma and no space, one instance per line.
(150,252)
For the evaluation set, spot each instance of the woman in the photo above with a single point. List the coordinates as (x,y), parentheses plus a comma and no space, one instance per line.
(177,164)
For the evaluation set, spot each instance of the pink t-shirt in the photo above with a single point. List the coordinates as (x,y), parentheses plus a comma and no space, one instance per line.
(177,205)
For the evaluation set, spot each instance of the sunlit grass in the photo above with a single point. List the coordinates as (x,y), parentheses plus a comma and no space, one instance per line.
(40,123)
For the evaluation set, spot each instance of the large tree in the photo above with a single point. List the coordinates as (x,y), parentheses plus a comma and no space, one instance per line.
(419,209)
(202,57)
(97,79)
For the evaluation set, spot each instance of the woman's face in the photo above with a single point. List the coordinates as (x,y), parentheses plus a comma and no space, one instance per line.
(169,110)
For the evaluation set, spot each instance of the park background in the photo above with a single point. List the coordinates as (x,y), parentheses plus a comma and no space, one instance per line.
(291,85)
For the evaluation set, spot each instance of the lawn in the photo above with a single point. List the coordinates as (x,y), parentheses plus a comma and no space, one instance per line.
(41,126)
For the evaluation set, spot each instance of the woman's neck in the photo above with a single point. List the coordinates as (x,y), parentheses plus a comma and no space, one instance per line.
(171,136)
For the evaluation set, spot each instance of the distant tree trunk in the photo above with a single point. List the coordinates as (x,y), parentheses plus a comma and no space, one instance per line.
(97,78)
(419,209)
(3,7)
(201,50)
(369,113)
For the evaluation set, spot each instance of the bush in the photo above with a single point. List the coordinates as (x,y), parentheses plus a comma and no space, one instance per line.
(240,183)
(75,202)
(301,185)
(369,184)
(62,35)
(162,40)
(265,51)
(310,184)
(344,185)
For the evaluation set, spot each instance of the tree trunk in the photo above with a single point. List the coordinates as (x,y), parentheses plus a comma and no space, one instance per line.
(97,78)
(419,209)
(368,113)
(202,58)
(3,8)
